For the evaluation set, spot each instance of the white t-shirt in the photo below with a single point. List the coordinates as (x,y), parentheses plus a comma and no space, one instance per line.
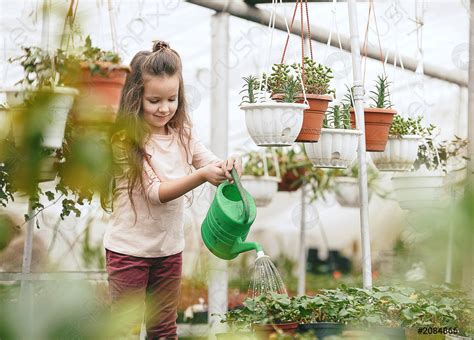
(157,229)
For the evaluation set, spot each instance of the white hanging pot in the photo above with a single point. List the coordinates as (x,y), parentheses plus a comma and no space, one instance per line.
(274,123)
(48,169)
(420,189)
(262,188)
(5,122)
(58,109)
(399,155)
(347,191)
(336,148)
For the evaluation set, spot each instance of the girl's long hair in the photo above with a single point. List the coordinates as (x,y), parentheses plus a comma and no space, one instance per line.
(130,124)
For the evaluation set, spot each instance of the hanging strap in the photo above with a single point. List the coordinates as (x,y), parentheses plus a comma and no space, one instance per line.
(366,41)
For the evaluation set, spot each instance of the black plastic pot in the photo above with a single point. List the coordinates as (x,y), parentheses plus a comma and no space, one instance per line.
(322,329)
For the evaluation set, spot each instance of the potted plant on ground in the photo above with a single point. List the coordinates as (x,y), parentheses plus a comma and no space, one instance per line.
(264,314)
(402,147)
(270,122)
(337,146)
(378,117)
(259,177)
(316,80)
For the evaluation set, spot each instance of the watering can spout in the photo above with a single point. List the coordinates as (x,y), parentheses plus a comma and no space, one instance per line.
(240,247)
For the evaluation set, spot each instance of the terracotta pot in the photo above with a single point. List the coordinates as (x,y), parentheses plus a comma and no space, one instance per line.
(100,95)
(313,117)
(289,178)
(377,126)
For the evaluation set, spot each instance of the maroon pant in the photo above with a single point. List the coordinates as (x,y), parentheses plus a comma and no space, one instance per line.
(155,281)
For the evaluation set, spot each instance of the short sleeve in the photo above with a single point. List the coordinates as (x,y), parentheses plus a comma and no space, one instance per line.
(202,156)
(151,184)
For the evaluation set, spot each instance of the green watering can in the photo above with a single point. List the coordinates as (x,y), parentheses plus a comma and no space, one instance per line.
(228,221)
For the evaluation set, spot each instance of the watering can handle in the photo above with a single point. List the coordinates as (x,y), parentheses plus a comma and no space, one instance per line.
(242,193)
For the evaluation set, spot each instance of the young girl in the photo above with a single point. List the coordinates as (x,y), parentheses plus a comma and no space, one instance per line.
(156,151)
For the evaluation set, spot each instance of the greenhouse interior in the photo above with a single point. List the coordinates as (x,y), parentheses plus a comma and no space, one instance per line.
(236,169)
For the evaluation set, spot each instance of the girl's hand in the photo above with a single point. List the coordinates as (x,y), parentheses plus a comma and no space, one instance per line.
(213,173)
(232,161)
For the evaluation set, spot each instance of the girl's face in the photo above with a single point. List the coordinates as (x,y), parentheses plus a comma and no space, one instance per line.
(160,101)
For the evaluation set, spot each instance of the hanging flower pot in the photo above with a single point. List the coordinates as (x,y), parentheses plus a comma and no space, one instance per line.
(100,93)
(273,124)
(313,117)
(291,180)
(261,188)
(48,168)
(58,107)
(347,191)
(336,148)
(399,155)
(419,189)
(377,126)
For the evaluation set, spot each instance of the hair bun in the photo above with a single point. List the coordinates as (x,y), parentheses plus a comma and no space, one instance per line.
(159,45)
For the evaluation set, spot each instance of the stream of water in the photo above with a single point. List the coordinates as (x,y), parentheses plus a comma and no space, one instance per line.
(266,278)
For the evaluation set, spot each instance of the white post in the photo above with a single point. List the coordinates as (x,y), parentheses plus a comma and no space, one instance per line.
(360,122)
(302,254)
(217,289)
(468,271)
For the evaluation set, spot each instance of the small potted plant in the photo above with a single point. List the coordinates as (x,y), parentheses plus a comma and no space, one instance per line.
(402,147)
(337,147)
(316,80)
(347,185)
(378,117)
(264,314)
(270,122)
(259,177)
(43,91)
(426,185)
(294,167)
(100,76)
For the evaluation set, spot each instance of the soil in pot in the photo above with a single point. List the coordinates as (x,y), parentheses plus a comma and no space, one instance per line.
(289,180)
(313,117)
(377,127)
(322,329)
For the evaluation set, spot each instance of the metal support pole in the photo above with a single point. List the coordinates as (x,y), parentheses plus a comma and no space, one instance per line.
(302,254)
(468,270)
(26,288)
(218,279)
(360,123)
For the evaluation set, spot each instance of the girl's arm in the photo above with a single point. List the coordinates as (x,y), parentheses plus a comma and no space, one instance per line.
(173,189)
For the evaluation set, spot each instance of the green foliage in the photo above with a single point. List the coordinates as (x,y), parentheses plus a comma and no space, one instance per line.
(284,82)
(381,95)
(264,309)
(290,90)
(387,306)
(295,166)
(250,86)
(317,77)
(62,68)
(438,156)
(338,117)
(409,126)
